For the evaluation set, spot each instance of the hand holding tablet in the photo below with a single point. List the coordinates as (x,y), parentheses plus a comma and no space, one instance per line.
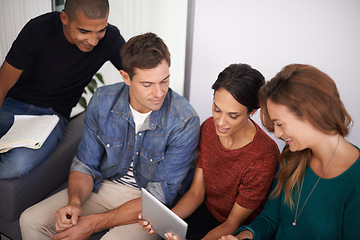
(162,219)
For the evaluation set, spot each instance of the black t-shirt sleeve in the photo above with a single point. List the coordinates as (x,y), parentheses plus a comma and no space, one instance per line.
(118,43)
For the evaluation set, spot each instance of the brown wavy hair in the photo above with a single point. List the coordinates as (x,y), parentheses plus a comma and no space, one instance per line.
(144,51)
(311,94)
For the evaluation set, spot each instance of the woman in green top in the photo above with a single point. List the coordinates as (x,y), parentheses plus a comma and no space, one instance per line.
(317,191)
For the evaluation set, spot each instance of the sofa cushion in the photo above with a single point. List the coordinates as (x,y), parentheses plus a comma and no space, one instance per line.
(17,194)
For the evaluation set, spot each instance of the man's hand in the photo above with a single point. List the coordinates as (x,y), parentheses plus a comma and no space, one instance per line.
(81,231)
(67,217)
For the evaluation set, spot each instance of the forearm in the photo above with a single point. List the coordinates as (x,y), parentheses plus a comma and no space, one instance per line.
(221,230)
(235,219)
(8,77)
(3,92)
(188,204)
(2,98)
(193,198)
(126,213)
(79,188)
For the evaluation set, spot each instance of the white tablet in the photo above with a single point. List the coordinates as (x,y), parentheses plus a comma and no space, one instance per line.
(161,218)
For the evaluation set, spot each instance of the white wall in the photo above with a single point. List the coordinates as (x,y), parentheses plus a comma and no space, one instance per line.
(14,14)
(165,18)
(271,34)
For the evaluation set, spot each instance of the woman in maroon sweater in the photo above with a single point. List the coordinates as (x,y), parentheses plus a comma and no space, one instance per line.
(237,161)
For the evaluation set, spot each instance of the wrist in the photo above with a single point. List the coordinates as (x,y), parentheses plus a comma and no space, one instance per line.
(245,233)
(75,201)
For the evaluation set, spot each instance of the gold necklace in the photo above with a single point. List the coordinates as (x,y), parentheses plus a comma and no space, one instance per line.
(302,183)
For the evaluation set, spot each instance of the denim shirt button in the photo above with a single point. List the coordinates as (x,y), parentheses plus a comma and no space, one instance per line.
(107,145)
(137,153)
(139,134)
(151,160)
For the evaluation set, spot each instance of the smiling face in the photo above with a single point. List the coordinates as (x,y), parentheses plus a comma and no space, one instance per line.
(229,115)
(297,132)
(148,87)
(85,33)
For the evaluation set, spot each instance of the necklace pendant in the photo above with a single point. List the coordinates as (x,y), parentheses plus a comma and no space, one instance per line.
(294,223)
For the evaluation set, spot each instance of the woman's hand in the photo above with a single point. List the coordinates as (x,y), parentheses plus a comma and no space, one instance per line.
(169,236)
(229,237)
(145,225)
(246,234)
(241,236)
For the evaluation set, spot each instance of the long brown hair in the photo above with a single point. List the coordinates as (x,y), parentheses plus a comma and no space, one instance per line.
(310,94)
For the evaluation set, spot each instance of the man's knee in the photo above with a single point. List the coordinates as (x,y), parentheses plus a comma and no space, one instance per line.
(36,223)
(27,221)
(19,162)
(15,165)
(25,218)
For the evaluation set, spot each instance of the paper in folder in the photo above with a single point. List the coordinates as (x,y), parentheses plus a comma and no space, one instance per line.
(29,131)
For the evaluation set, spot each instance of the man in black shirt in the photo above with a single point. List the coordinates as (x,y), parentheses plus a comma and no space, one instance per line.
(51,61)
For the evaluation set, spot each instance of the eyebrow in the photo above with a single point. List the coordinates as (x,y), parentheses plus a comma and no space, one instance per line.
(152,82)
(274,120)
(84,30)
(166,78)
(237,113)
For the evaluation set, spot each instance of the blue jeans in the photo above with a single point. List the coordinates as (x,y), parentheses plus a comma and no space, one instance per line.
(20,161)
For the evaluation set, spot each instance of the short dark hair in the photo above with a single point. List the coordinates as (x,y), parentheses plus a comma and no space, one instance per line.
(144,51)
(243,83)
(92,9)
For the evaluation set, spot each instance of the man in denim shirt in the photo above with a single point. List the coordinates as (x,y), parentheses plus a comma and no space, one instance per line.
(136,134)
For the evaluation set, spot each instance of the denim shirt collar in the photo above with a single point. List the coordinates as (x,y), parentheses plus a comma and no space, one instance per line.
(157,118)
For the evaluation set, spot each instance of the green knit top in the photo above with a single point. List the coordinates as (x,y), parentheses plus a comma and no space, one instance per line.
(332,212)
